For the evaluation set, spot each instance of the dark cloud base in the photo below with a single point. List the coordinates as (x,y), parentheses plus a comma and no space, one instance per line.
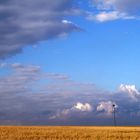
(25,23)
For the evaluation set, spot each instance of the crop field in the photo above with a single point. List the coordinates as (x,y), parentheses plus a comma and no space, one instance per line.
(69,133)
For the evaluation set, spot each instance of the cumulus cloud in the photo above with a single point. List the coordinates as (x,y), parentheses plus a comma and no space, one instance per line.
(115,9)
(130,90)
(29,22)
(106,107)
(77,108)
(82,107)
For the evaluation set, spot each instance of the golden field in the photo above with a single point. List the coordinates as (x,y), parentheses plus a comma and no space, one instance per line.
(69,133)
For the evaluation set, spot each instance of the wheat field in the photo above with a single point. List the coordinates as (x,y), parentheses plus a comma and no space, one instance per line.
(69,133)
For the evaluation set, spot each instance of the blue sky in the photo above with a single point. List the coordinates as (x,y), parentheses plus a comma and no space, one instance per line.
(88,49)
(106,54)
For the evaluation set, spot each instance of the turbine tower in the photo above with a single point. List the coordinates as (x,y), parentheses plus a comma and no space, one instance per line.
(114,114)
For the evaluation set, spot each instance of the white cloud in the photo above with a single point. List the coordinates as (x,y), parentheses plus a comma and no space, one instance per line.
(106,107)
(82,107)
(66,21)
(77,108)
(113,15)
(130,90)
(107,16)
(109,10)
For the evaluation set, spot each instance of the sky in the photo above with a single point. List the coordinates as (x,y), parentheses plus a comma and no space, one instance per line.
(66,62)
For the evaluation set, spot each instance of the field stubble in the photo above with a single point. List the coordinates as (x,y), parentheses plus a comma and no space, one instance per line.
(69,133)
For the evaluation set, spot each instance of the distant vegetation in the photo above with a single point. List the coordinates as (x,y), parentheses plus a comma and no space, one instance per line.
(69,133)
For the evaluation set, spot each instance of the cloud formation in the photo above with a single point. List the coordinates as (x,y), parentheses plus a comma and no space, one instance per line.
(109,16)
(19,81)
(106,107)
(130,90)
(35,97)
(115,9)
(75,110)
(82,107)
(26,23)
(119,5)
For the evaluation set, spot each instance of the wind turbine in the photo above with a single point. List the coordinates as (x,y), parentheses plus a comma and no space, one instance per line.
(114,114)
